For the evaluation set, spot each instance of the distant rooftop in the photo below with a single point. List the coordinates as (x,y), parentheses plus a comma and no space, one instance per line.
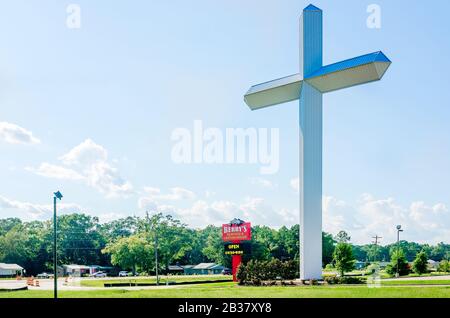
(204,266)
(11,266)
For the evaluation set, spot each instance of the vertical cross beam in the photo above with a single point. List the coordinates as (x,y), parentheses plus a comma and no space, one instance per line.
(308,86)
(310,147)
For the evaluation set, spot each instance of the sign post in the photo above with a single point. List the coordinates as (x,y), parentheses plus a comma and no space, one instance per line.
(236,232)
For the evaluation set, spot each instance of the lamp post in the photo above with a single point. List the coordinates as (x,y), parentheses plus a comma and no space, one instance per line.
(57,195)
(156,256)
(399,229)
(155,229)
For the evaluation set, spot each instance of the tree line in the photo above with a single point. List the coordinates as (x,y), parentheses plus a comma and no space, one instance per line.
(129,244)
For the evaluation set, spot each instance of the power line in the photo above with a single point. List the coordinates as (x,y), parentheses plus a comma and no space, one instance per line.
(376,237)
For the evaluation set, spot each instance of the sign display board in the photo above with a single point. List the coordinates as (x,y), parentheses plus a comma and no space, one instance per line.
(236,249)
(236,233)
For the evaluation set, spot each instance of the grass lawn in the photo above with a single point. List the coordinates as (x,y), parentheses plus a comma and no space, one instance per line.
(162,280)
(231,290)
(416,282)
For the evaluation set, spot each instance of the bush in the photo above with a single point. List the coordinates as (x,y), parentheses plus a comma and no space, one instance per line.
(332,280)
(373,268)
(256,272)
(343,258)
(444,266)
(398,257)
(420,263)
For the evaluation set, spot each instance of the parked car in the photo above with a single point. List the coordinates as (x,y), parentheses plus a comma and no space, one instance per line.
(44,275)
(124,274)
(98,274)
(226,271)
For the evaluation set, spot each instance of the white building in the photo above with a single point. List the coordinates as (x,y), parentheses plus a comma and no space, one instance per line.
(76,270)
(10,270)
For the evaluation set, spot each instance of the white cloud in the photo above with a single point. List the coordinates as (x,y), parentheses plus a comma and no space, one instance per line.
(176,194)
(89,162)
(295,184)
(106,179)
(262,183)
(209,194)
(370,216)
(37,211)
(108,217)
(57,172)
(202,213)
(15,134)
(85,154)
(147,204)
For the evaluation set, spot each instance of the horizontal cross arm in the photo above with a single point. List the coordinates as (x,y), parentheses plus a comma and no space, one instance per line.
(359,70)
(275,92)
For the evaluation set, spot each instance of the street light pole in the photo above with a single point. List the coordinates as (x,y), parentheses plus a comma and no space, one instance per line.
(156,257)
(57,195)
(154,228)
(399,229)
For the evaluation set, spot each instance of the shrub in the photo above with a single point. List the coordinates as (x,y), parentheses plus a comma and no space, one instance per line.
(343,258)
(398,257)
(420,263)
(344,280)
(444,266)
(256,272)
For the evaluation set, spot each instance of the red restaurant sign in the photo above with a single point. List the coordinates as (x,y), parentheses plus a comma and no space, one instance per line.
(234,233)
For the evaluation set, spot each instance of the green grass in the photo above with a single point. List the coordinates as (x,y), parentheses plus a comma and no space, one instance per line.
(428,274)
(416,282)
(231,290)
(163,279)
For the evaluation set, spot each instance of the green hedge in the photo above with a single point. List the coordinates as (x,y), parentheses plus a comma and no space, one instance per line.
(256,272)
(344,280)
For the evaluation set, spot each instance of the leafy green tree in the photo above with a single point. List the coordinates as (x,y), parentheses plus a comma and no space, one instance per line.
(13,248)
(444,266)
(420,263)
(173,238)
(116,229)
(8,224)
(342,237)
(343,258)
(410,249)
(328,246)
(132,252)
(374,253)
(213,246)
(360,252)
(287,242)
(79,240)
(440,252)
(398,260)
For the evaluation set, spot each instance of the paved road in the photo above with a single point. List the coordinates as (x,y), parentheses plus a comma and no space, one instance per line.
(447,277)
(73,284)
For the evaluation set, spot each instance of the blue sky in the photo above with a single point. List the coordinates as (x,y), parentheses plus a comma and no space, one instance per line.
(91,111)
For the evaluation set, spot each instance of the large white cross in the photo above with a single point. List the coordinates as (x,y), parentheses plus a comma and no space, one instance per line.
(308,86)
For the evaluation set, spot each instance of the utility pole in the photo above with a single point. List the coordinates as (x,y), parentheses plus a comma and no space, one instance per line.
(57,195)
(376,237)
(154,228)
